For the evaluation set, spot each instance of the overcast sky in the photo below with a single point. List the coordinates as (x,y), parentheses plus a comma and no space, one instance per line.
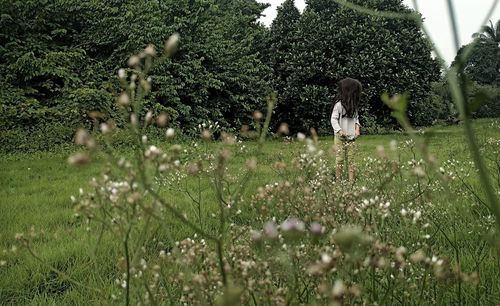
(470,14)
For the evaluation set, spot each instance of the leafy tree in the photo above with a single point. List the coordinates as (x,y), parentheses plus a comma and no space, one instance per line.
(337,42)
(58,59)
(482,63)
(283,40)
(489,33)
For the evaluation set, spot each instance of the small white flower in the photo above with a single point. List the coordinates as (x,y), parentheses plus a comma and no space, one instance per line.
(121,73)
(170,133)
(301,136)
(325,258)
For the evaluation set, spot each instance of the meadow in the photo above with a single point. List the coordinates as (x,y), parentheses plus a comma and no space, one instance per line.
(408,231)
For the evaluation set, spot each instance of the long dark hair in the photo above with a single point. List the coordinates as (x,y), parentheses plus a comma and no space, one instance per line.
(349,94)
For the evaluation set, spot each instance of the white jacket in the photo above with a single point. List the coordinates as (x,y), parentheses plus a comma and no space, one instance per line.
(340,121)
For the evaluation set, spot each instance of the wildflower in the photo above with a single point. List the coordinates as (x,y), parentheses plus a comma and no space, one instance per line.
(255,235)
(133,61)
(133,119)
(82,137)
(150,50)
(325,258)
(403,212)
(292,224)
(170,133)
(121,73)
(418,256)
(79,159)
(257,115)
(419,171)
(251,164)
(205,135)
(105,128)
(381,152)
(123,99)
(152,152)
(338,288)
(172,43)
(149,117)
(162,120)
(316,229)
(283,129)
(416,216)
(271,230)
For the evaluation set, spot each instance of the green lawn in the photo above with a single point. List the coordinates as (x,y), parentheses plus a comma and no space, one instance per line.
(36,190)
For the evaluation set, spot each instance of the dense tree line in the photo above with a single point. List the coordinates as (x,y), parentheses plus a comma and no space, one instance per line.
(59,59)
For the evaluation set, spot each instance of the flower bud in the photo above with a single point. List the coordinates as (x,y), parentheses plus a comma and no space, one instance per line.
(105,128)
(82,137)
(292,224)
(316,229)
(283,129)
(133,119)
(162,120)
(251,164)
(170,133)
(122,74)
(257,115)
(171,44)
(271,230)
(206,135)
(133,61)
(123,99)
(301,136)
(150,50)
(78,159)
(149,117)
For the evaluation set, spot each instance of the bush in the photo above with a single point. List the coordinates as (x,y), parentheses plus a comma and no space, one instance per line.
(42,137)
(491,96)
(433,109)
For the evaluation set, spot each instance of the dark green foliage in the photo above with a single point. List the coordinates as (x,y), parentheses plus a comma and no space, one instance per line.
(58,60)
(333,42)
(481,64)
(282,43)
(58,63)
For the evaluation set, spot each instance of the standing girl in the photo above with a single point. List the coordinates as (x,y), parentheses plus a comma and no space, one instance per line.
(345,123)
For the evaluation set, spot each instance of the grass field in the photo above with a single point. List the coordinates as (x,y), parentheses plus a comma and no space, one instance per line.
(36,190)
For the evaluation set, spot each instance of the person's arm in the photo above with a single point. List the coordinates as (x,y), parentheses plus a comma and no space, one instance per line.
(335,120)
(357,126)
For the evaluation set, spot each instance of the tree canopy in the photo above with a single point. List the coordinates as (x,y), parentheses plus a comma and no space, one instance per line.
(59,59)
(330,42)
